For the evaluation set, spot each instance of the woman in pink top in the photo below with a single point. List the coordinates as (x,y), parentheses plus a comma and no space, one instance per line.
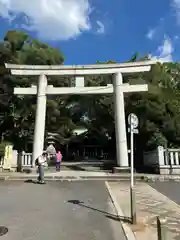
(58,160)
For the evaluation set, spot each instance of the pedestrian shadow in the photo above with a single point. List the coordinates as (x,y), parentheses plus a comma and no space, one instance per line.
(31,181)
(107,214)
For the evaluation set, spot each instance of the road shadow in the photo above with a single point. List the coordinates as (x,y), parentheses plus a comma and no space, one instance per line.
(3,230)
(76,168)
(33,181)
(107,214)
(119,218)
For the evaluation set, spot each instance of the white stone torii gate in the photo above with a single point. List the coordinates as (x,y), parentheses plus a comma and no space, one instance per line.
(118,88)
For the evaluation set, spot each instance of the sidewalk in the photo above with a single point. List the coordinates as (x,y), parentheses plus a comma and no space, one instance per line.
(62,175)
(149,204)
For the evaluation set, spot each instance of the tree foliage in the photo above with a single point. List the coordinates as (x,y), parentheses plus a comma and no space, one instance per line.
(17,113)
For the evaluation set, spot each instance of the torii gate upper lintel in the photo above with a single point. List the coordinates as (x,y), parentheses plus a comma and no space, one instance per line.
(118,88)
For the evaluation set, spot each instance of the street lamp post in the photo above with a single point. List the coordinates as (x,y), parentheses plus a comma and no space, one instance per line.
(133,124)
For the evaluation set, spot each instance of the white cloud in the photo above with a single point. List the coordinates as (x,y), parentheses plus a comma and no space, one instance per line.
(101,28)
(176,7)
(176,37)
(165,51)
(150,34)
(50,19)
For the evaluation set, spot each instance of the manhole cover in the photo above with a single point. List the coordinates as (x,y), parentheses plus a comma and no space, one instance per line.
(3,230)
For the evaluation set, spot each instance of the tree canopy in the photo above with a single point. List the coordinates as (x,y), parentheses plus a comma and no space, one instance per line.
(158,109)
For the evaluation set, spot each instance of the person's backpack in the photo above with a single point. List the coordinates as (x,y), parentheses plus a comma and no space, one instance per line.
(36,162)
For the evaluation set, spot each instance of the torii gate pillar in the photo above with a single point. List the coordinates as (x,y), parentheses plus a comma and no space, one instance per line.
(40,120)
(120,124)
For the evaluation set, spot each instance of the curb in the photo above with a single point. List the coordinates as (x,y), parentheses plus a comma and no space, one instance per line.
(127,231)
(73,178)
(68,178)
(59,178)
(162,178)
(140,178)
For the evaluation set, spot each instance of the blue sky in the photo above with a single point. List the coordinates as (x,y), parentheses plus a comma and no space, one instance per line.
(91,30)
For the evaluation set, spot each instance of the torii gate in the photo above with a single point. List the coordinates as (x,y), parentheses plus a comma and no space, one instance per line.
(118,88)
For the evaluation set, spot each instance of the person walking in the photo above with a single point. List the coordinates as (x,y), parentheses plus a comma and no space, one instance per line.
(58,160)
(41,162)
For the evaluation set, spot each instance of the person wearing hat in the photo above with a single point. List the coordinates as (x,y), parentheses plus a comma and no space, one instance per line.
(41,162)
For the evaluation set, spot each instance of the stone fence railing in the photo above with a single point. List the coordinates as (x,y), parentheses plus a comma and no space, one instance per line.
(164,161)
(23,160)
(161,160)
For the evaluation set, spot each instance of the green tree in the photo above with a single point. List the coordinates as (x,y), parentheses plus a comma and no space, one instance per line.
(18,112)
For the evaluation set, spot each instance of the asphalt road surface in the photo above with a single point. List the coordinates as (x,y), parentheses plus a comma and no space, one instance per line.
(169,189)
(58,211)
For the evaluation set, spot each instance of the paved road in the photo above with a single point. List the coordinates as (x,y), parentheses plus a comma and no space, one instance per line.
(169,189)
(58,210)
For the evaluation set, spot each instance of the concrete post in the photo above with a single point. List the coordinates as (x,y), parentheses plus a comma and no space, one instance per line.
(160,155)
(120,125)
(38,143)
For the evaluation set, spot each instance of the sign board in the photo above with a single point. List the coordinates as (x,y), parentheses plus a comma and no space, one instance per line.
(133,120)
(8,157)
(134,130)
